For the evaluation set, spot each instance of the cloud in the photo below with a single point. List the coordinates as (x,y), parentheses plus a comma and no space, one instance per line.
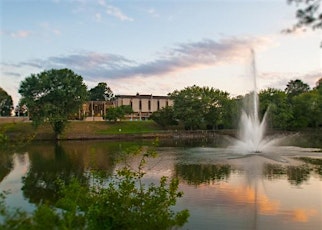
(21,34)
(312,77)
(116,12)
(98,17)
(181,57)
(13,74)
(101,2)
(48,28)
(279,80)
(152,12)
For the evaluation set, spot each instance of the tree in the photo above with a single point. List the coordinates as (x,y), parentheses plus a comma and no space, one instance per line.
(6,104)
(113,114)
(307,109)
(296,87)
(198,107)
(218,108)
(274,101)
(101,92)
(52,95)
(164,117)
(319,85)
(188,107)
(308,15)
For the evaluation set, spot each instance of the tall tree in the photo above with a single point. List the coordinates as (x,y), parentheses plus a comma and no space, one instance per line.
(198,107)
(6,104)
(296,87)
(188,106)
(101,92)
(274,101)
(307,109)
(165,116)
(51,96)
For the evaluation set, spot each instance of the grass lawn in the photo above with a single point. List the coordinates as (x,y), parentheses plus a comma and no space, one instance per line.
(130,127)
(75,129)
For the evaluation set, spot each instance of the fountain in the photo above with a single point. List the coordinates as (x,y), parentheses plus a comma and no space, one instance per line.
(251,136)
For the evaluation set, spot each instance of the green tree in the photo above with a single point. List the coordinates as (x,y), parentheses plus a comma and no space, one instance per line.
(319,86)
(307,109)
(274,101)
(164,117)
(6,104)
(118,113)
(198,107)
(188,107)
(296,87)
(101,92)
(219,109)
(52,95)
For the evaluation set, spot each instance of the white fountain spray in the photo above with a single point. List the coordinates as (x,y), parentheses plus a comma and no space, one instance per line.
(252,130)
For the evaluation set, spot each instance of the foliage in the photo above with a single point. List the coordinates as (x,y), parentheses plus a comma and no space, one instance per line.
(275,102)
(6,104)
(51,96)
(101,92)
(127,203)
(118,113)
(307,109)
(164,117)
(120,202)
(199,107)
(3,139)
(308,15)
(319,86)
(296,87)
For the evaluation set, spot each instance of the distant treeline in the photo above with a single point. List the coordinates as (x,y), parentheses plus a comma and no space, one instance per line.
(196,107)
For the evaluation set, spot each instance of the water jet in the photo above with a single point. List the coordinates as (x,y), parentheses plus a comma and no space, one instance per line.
(251,134)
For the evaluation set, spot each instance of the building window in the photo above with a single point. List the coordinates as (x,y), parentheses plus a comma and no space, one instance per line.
(140,105)
(166,103)
(158,106)
(131,104)
(149,105)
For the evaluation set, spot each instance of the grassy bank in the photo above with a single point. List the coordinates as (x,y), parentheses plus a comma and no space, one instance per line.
(80,130)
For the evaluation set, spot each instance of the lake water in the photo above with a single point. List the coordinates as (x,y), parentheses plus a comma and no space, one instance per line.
(281,189)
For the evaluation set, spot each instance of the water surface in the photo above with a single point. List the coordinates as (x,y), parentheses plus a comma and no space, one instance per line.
(280,189)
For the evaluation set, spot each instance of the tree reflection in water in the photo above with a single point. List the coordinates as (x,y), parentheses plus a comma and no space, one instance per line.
(197,174)
(50,163)
(46,168)
(296,175)
(6,165)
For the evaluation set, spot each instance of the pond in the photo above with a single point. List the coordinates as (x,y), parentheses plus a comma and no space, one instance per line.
(222,190)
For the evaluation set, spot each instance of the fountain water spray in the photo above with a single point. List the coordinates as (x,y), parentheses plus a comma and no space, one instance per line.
(251,136)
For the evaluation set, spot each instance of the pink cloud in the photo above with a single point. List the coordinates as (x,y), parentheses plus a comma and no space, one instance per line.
(20,34)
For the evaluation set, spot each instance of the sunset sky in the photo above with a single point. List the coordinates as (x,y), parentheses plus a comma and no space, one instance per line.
(156,47)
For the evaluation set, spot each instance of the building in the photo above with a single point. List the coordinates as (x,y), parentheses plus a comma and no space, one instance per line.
(143,105)
(95,110)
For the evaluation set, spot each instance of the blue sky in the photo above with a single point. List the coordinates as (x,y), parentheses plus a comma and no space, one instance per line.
(157,46)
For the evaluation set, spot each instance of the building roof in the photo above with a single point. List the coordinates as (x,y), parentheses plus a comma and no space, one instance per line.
(142,96)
